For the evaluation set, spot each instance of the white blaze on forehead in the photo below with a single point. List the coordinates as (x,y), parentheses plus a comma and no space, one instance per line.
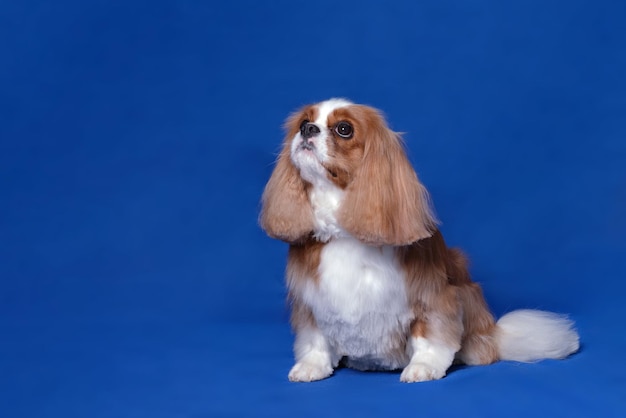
(327,107)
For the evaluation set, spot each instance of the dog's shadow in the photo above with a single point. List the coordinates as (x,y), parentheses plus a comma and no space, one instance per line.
(343,368)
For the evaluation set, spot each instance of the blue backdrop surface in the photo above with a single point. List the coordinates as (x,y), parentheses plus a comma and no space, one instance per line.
(136,138)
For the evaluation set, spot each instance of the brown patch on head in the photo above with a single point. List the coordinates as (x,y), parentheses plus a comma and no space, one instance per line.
(286,212)
(345,154)
(385,203)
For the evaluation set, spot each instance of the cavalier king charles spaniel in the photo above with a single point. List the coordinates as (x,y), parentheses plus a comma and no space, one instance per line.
(371,282)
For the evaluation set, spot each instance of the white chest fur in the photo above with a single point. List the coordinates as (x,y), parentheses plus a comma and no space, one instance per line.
(360,303)
(325,200)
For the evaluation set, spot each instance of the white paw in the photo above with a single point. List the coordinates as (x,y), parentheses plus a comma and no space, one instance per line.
(309,372)
(420,372)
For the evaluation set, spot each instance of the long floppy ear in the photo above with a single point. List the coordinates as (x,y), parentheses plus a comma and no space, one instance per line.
(385,203)
(286,213)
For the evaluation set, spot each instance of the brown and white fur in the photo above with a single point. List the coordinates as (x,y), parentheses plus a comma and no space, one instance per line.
(371,281)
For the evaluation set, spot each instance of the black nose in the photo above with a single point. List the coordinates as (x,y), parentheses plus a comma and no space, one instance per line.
(309,130)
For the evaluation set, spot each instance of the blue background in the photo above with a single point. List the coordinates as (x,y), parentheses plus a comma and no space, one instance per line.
(137,136)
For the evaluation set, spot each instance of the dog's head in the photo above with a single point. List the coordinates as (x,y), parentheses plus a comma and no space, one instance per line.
(347,146)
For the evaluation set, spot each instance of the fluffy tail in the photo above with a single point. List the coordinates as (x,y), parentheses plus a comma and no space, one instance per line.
(529,335)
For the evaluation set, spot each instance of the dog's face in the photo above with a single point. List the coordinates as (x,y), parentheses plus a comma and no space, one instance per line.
(328,141)
(350,147)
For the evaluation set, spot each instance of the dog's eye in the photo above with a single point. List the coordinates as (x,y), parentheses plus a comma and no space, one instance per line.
(344,130)
(304,122)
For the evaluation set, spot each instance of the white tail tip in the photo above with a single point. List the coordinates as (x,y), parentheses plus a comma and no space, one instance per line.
(529,335)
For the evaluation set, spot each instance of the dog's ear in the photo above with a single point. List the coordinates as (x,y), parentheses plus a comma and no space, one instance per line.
(385,204)
(286,212)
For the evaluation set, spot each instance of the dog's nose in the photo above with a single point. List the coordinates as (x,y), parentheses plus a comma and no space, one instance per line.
(309,130)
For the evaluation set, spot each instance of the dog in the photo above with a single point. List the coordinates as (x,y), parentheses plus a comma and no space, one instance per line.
(371,282)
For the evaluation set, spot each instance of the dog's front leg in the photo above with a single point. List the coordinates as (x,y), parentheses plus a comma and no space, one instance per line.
(435,338)
(314,357)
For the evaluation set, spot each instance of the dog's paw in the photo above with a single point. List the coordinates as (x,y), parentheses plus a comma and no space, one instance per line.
(309,372)
(420,372)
